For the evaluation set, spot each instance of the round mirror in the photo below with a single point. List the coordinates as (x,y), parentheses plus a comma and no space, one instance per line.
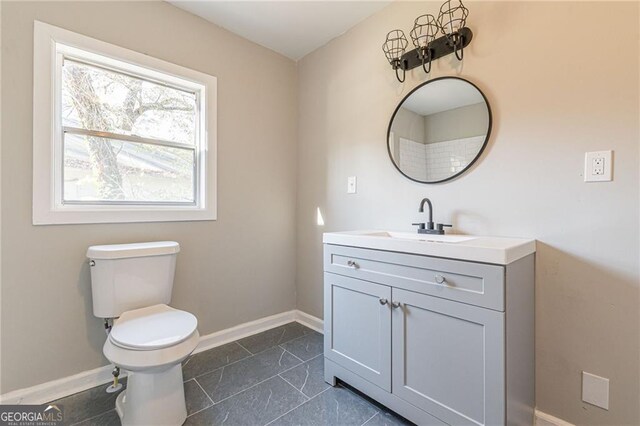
(439,130)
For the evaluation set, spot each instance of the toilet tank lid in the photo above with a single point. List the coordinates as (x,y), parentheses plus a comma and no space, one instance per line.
(121,251)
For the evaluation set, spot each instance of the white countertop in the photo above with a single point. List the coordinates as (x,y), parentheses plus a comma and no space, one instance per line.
(496,250)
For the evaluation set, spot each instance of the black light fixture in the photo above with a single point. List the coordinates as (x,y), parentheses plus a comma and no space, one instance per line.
(394,48)
(452,19)
(425,29)
(451,22)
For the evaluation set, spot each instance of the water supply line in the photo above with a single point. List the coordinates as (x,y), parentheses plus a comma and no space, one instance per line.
(116,385)
(107,326)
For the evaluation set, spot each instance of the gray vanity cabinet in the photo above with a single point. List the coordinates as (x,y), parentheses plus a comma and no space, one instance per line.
(448,358)
(440,341)
(361,328)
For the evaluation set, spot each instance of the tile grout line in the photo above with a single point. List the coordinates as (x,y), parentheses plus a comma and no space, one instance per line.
(370,418)
(222,366)
(243,390)
(237,342)
(251,355)
(200,410)
(290,384)
(205,392)
(297,406)
(242,359)
(299,337)
(252,386)
(259,383)
(296,366)
(278,343)
(227,365)
(311,359)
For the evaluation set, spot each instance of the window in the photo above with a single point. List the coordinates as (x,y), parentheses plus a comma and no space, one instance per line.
(119,136)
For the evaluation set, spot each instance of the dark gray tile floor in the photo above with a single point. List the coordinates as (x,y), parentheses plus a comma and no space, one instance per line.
(275,377)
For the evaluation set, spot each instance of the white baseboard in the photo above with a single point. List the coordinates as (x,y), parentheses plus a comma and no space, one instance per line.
(544,419)
(59,388)
(310,321)
(243,330)
(65,386)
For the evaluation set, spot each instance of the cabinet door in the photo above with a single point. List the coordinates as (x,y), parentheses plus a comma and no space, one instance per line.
(448,358)
(357,327)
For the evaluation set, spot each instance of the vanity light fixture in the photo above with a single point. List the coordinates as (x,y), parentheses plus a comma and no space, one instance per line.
(452,19)
(451,22)
(425,29)
(394,48)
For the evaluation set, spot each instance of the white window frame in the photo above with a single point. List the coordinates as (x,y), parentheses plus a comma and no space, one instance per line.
(51,44)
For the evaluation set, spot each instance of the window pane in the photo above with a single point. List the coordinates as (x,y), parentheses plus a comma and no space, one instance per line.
(98,99)
(99,169)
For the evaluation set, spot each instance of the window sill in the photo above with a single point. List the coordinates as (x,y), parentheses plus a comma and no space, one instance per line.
(86,215)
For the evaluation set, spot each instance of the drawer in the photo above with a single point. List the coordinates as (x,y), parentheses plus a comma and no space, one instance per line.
(477,284)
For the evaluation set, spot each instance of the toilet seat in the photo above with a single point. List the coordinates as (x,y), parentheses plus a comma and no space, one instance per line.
(152,328)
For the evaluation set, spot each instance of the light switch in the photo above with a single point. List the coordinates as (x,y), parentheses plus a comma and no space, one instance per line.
(598,166)
(595,390)
(351,185)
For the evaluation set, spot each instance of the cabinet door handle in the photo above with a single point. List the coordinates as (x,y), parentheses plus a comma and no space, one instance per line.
(395,305)
(383,301)
(352,264)
(440,279)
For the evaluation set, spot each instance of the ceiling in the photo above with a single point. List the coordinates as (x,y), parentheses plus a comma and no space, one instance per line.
(292,28)
(442,95)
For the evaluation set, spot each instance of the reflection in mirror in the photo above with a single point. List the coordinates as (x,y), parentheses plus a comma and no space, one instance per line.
(439,130)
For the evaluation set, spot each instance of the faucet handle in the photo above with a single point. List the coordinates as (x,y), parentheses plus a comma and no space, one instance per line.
(441,226)
(419,225)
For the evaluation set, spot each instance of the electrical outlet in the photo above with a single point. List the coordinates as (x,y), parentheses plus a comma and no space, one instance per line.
(595,390)
(598,166)
(351,185)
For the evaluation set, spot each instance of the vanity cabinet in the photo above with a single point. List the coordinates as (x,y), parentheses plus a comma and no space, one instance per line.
(361,332)
(439,341)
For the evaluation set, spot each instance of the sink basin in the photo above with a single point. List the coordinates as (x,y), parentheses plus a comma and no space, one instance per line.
(422,237)
(496,250)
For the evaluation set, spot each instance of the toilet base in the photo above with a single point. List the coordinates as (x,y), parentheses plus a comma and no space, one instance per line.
(153,398)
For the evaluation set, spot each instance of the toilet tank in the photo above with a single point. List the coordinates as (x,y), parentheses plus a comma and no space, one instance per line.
(131,276)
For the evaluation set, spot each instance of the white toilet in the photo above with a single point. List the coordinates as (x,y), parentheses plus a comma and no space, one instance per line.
(133,283)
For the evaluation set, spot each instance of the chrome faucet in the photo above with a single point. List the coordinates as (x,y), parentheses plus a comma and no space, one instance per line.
(428,228)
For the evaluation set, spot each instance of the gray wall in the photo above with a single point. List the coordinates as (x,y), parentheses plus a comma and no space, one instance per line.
(550,106)
(463,122)
(408,125)
(236,269)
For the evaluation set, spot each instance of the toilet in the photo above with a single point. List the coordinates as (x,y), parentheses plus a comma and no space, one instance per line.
(132,284)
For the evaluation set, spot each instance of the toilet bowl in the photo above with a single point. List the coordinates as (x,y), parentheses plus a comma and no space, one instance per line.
(132,284)
(151,343)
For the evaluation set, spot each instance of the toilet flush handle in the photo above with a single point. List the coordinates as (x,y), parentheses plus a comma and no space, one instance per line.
(92,262)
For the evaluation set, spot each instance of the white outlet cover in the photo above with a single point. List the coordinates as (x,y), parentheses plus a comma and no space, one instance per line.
(598,166)
(351,185)
(595,390)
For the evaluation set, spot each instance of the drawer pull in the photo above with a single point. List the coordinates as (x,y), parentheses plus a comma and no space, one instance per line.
(440,279)
(395,305)
(383,301)
(352,264)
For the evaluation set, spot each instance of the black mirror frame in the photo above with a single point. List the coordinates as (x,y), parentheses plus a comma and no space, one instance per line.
(484,145)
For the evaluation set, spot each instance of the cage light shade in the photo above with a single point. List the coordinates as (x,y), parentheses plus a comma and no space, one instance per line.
(425,29)
(452,17)
(395,46)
